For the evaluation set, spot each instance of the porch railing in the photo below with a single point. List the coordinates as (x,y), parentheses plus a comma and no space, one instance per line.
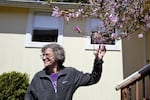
(136,86)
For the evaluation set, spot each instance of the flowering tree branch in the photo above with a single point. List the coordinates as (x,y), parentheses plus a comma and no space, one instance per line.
(120,17)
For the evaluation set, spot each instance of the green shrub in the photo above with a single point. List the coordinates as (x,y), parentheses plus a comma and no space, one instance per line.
(13,85)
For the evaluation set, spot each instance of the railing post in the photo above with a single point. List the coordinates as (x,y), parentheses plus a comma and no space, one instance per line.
(123,94)
(137,90)
(148,86)
(130,92)
(143,82)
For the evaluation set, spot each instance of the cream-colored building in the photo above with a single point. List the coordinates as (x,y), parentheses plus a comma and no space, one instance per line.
(20,49)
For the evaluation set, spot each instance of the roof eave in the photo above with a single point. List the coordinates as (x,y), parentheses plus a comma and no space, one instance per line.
(37,4)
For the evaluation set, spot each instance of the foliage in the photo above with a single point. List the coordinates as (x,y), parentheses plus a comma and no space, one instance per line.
(13,85)
(120,17)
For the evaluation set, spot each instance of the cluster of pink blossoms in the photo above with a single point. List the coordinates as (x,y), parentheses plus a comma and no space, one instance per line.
(120,17)
(66,14)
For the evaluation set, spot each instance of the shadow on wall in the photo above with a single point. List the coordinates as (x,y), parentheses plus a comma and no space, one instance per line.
(13,20)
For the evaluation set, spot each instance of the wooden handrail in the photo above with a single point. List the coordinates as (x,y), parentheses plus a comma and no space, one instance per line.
(134,77)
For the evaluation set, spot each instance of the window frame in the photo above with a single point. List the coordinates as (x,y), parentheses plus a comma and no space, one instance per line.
(30,28)
(90,46)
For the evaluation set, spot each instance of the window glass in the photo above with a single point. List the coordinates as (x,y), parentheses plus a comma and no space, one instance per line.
(45,35)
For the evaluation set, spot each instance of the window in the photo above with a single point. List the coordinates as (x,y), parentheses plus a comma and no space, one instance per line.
(41,35)
(42,29)
(92,25)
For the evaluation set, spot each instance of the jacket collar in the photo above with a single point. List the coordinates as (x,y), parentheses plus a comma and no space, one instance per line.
(45,74)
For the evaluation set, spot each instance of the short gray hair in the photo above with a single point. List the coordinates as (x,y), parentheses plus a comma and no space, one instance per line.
(58,51)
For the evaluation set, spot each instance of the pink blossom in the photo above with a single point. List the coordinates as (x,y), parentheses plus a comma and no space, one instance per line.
(91,2)
(56,12)
(112,18)
(114,35)
(77,29)
(67,18)
(140,35)
(77,14)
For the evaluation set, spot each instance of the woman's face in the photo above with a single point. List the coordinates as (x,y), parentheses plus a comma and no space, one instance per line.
(48,57)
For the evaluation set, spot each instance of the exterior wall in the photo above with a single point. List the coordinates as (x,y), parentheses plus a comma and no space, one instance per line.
(14,55)
(133,54)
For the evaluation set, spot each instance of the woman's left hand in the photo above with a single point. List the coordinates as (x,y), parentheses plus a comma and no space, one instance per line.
(101,51)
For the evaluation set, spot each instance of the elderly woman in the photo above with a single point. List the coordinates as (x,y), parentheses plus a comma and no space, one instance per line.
(57,82)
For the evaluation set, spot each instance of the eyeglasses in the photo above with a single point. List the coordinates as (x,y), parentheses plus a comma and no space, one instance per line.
(45,55)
